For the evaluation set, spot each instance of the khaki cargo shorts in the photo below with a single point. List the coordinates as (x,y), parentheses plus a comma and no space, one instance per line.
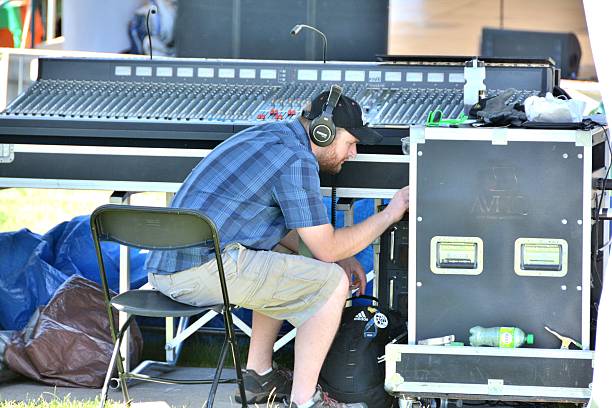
(282,286)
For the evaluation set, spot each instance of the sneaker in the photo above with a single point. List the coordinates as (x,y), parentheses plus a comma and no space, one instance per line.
(274,386)
(323,400)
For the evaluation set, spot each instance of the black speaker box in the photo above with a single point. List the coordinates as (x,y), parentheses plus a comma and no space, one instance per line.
(356,30)
(563,48)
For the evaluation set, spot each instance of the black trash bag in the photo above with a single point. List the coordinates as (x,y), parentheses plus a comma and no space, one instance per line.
(351,371)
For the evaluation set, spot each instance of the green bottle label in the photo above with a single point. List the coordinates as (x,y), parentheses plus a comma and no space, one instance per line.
(506,337)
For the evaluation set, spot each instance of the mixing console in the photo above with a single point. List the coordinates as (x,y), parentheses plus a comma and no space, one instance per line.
(226,103)
(111,93)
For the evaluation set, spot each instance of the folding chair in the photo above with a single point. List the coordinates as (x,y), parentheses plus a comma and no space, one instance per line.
(159,229)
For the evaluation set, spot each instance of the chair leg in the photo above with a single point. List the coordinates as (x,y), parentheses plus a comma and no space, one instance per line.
(109,373)
(122,382)
(119,361)
(237,366)
(215,382)
(230,337)
(116,360)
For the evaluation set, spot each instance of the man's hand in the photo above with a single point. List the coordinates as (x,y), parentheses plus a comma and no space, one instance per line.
(355,273)
(399,204)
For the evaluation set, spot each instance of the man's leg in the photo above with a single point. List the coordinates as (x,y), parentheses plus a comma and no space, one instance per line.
(284,282)
(314,337)
(262,383)
(265,331)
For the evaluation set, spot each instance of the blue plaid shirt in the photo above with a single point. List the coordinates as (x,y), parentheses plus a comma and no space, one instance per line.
(256,186)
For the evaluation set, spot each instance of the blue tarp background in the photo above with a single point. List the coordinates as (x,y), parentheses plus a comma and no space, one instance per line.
(32,266)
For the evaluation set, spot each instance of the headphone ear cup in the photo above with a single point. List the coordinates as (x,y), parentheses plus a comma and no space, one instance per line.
(322,130)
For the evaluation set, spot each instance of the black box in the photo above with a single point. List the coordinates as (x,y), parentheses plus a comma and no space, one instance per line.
(393,268)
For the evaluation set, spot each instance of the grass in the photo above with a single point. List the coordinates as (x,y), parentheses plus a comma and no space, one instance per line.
(52,400)
(49,400)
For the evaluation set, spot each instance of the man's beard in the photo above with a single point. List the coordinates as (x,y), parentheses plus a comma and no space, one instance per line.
(329,162)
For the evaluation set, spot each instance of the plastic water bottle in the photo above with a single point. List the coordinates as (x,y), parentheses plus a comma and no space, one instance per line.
(505,337)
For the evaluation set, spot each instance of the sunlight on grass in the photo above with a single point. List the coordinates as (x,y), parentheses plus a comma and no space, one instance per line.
(39,210)
(50,400)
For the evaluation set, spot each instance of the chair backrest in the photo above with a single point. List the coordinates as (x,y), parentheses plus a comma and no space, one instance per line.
(153,227)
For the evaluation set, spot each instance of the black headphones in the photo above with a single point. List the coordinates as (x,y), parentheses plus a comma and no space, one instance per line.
(322,130)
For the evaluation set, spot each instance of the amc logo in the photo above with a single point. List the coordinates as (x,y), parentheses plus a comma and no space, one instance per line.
(500,206)
(500,198)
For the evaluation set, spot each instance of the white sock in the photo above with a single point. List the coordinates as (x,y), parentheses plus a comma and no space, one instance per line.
(307,404)
(268,371)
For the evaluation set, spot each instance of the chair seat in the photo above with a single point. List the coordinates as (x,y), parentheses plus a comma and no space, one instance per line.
(152,303)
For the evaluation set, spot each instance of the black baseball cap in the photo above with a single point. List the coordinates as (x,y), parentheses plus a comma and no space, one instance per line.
(347,114)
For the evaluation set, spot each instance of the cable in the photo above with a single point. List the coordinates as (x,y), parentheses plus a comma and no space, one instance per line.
(605,246)
(152,10)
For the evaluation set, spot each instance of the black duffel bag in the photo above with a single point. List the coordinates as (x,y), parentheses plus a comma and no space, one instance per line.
(351,371)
